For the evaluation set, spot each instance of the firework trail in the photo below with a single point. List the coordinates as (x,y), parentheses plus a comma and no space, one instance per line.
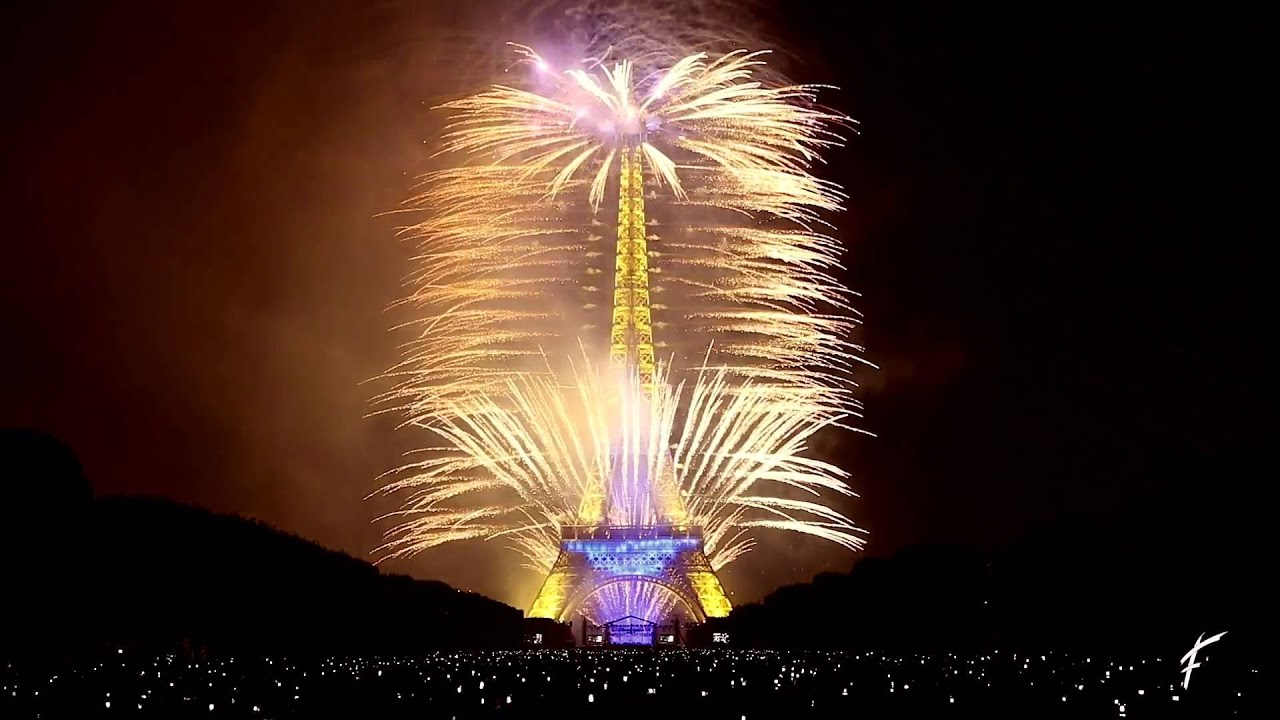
(548,443)
(506,245)
(514,266)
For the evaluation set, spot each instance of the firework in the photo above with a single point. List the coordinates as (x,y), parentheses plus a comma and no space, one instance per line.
(548,443)
(513,260)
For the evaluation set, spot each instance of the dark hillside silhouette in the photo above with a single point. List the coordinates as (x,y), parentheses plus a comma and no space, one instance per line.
(89,574)
(45,505)
(1146,580)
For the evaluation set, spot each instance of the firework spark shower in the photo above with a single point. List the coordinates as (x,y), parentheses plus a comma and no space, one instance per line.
(748,334)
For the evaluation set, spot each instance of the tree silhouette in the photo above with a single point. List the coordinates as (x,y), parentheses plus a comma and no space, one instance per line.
(84,575)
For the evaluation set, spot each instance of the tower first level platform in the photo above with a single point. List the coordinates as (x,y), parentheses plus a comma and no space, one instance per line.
(593,558)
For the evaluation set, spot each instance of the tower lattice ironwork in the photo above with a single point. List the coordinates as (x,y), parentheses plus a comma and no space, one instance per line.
(668,553)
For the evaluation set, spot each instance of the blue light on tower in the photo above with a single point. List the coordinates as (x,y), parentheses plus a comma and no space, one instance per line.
(639,557)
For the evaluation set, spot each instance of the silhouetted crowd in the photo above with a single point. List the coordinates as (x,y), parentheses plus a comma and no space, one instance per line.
(695,683)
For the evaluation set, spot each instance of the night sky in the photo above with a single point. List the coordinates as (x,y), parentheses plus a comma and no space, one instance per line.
(1050,224)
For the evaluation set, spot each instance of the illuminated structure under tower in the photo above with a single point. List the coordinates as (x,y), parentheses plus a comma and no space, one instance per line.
(631,554)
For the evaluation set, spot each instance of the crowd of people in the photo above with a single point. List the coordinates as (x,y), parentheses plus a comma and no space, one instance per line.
(697,683)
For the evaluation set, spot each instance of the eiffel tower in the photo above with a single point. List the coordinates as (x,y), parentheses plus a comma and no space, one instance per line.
(662,550)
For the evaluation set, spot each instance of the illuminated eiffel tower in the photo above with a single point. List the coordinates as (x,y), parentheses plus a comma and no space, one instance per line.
(660,553)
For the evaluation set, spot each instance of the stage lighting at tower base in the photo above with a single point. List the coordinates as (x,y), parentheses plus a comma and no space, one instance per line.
(668,559)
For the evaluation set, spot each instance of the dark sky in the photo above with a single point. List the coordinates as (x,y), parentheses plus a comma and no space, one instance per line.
(1050,223)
